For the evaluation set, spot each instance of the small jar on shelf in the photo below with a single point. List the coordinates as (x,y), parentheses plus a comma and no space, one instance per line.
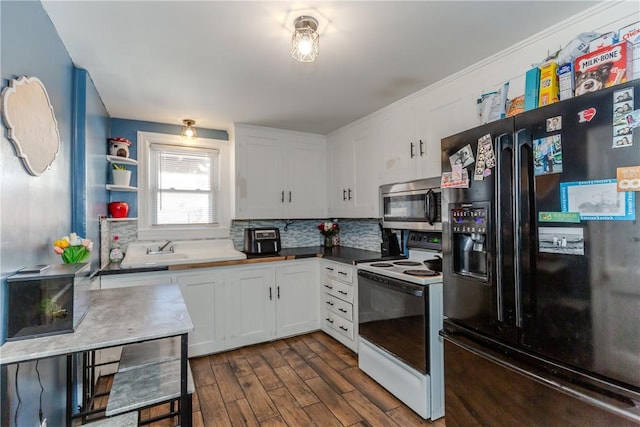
(116,255)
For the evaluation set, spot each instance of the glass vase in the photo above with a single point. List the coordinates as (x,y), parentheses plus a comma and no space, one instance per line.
(328,241)
(116,254)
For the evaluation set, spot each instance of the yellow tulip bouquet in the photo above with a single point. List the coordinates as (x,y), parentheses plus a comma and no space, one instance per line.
(73,248)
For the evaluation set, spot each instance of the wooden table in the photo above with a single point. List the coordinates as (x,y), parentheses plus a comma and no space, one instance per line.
(116,317)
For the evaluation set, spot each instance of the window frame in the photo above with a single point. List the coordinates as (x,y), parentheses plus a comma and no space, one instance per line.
(222,193)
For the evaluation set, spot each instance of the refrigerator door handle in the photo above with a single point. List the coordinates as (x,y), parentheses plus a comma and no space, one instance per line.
(521,139)
(503,143)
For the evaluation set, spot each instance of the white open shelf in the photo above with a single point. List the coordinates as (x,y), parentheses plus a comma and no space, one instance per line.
(122,160)
(112,187)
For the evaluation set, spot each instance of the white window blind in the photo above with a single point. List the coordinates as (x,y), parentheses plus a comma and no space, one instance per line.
(183,185)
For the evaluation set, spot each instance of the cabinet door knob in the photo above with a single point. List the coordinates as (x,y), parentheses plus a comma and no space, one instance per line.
(329,320)
(342,310)
(343,328)
(411,150)
(349,197)
(289,196)
(421,148)
(328,287)
(329,302)
(278,292)
(282,196)
(344,194)
(342,292)
(270,296)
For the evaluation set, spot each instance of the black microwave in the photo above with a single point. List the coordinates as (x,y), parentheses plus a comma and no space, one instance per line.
(414,205)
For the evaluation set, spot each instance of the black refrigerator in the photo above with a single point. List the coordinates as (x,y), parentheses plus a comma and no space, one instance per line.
(541,264)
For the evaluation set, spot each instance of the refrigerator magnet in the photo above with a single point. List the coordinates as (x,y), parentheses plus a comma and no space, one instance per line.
(547,155)
(561,240)
(598,200)
(554,123)
(628,178)
(463,156)
(623,141)
(571,217)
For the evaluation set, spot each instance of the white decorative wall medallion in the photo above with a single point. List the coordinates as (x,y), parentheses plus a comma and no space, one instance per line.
(31,123)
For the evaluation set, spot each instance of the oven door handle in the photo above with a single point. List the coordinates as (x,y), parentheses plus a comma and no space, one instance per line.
(405,288)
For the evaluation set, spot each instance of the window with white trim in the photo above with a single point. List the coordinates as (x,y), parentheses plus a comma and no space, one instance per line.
(183,187)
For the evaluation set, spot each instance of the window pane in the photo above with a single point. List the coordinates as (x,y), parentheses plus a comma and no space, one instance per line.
(182,184)
(184,208)
(185,172)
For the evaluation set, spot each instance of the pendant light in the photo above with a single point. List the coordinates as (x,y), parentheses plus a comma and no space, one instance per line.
(305,42)
(188,131)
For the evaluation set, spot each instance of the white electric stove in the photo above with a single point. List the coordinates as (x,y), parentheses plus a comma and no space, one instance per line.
(399,317)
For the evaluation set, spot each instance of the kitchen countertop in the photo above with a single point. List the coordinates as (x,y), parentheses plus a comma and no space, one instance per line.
(344,254)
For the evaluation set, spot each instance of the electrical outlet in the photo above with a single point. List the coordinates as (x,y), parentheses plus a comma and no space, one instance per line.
(43,423)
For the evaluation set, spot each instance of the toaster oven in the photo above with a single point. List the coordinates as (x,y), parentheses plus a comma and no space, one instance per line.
(261,241)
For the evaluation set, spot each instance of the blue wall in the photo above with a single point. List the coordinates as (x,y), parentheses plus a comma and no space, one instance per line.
(129,129)
(35,211)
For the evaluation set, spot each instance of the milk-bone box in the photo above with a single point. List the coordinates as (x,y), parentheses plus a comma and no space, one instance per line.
(603,68)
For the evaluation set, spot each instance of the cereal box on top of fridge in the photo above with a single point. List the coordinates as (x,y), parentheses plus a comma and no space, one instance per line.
(548,84)
(606,39)
(565,81)
(603,68)
(630,33)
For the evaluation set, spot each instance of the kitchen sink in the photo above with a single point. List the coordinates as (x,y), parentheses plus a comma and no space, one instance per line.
(145,254)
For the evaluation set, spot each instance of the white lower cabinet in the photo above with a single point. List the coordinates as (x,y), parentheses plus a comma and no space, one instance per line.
(239,305)
(267,303)
(339,301)
(297,308)
(204,294)
(249,310)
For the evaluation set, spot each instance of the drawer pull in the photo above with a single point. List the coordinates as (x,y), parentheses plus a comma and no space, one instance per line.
(341,309)
(329,320)
(342,272)
(328,286)
(329,302)
(343,292)
(329,268)
(343,328)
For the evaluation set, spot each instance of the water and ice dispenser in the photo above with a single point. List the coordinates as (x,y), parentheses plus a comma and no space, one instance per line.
(469,223)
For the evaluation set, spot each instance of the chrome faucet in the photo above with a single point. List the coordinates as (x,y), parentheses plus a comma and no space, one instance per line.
(161,248)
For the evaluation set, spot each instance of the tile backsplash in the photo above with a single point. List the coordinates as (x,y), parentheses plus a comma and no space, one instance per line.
(356,233)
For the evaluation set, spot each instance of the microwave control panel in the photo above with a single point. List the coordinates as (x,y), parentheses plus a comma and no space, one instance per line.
(469,219)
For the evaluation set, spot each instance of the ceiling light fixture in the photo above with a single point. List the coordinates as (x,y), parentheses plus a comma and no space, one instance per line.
(305,42)
(188,131)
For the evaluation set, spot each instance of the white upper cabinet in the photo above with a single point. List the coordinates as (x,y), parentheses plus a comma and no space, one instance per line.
(279,174)
(433,122)
(411,132)
(400,147)
(354,164)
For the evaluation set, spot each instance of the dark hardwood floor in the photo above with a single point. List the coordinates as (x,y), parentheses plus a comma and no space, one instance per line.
(308,380)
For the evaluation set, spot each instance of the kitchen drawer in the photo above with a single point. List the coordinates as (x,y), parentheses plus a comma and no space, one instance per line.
(339,324)
(340,272)
(338,290)
(339,307)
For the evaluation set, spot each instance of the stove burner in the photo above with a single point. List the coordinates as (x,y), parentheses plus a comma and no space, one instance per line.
(421,273)
(408,263)
(382,265)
